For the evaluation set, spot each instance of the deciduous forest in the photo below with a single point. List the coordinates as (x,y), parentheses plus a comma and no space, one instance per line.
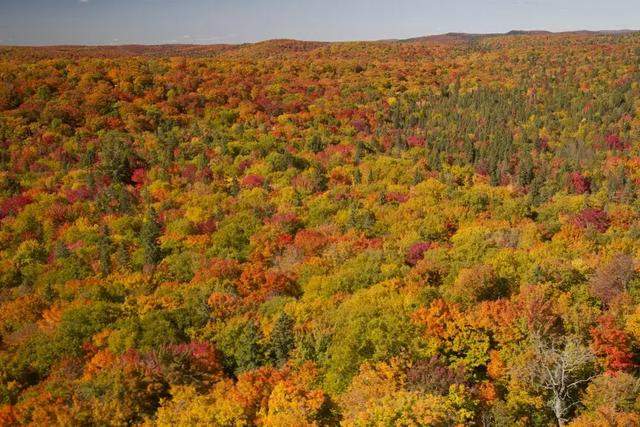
(430,232)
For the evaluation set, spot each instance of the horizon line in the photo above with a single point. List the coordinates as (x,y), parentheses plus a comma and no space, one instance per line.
(513,32)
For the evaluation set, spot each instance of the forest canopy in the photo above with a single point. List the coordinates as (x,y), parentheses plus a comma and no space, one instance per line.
(440,231)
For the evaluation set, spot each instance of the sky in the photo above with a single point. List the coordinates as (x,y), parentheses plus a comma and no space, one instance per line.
(97,22)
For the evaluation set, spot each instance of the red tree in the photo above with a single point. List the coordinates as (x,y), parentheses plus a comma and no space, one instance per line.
(612,345)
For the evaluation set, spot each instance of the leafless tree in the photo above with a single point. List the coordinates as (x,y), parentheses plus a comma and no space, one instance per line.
(561,368)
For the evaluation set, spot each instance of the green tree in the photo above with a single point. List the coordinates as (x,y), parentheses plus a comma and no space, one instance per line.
(282,339)
(316,144)
(104,249)
(239,341)
(149,234)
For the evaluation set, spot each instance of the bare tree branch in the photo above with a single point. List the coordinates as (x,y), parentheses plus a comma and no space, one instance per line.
(560,367)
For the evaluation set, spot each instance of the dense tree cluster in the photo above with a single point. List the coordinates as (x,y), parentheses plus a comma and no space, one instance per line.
(430,232)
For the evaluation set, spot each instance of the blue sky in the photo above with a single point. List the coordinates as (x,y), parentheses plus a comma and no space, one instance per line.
(37,22)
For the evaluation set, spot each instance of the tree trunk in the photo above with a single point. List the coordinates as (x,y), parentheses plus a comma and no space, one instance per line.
(558,410)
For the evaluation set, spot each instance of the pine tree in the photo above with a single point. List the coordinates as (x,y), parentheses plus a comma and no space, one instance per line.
(357,176)
(401,143)
(122,257)
(104,249)
(525,173)
(370,177)
(417,177)
(315,144)
(248,354)
(149,236)
(282,339)
(234,188)
(61,251)
(358,153)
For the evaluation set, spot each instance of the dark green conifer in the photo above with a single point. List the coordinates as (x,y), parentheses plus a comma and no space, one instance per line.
(149,235)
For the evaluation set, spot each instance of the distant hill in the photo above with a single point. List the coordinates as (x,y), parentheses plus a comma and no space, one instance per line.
(448,37)
(268,48)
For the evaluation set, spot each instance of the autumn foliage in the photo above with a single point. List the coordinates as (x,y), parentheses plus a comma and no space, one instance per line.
(439,231)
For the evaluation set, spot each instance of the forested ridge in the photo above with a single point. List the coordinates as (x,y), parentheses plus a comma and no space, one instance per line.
(438,231)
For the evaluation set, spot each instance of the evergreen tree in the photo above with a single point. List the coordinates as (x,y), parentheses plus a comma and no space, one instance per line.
(248,354)
(315,144)
(417,177)
(61,250)
(149,235)
(122,256)
(282,340)
(400,143)
(370,177)
(525,172)
(357,176)
(358,153)
(104,249)
(116,157)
